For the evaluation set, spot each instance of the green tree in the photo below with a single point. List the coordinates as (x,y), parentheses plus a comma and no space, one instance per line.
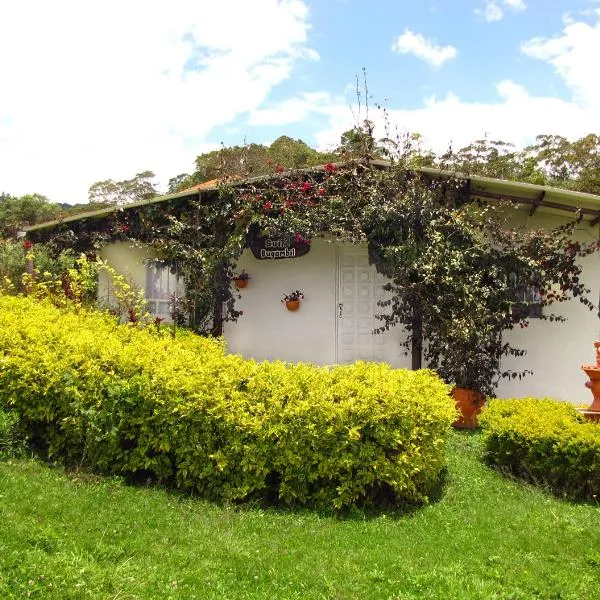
(140,187)
(17,212)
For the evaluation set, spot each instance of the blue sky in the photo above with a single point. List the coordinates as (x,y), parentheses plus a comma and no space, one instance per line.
(95,90)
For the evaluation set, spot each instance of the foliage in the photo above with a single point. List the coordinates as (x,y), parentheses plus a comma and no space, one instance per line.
(251,160)
(551,160)
(545,441)
(127,400)
(11,441)
(293,296)
(140,187)
(17,258)
(243,276)
(456,268)
(15,213)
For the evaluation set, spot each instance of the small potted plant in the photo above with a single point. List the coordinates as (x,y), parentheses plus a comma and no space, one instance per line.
(241,279)
(292,299)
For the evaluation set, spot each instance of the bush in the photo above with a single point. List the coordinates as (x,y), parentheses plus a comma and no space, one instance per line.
(545,441)
(14,262)
(126,400)
(11,443)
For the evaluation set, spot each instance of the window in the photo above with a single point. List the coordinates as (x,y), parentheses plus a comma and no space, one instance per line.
(528,300)
(528,303)
(161,283)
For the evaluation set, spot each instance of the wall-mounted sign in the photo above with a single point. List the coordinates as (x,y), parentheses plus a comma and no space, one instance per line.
(272,248)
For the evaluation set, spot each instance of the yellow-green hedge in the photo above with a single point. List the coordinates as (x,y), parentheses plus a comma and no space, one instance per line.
(126,400)
(546,441)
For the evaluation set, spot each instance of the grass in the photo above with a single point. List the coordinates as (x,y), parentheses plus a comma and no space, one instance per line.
(76,536)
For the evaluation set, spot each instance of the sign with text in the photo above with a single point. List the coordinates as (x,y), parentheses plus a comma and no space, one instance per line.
(272,248)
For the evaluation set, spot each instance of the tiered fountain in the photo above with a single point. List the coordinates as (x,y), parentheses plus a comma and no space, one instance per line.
(592,413)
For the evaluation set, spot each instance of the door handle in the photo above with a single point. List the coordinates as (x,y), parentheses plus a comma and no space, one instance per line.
(340,307)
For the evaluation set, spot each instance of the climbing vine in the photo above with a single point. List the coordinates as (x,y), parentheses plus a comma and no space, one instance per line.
(456,267)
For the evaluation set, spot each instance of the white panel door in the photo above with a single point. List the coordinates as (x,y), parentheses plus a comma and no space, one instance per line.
(360,288)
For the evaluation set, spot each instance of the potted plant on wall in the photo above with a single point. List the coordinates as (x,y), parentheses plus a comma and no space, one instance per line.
(292,299)
(241,279)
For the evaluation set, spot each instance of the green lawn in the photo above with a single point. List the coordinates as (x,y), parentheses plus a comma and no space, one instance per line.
(67,536)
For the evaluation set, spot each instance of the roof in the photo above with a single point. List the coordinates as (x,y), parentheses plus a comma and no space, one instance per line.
(532,195)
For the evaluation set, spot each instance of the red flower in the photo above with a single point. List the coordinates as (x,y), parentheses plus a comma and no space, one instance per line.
(306,186)
(124,228)
(330,168)
(27,244)
(321,191)
(267,206)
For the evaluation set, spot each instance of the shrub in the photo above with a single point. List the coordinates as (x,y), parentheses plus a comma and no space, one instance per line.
(546,441)
(11,442)
(122,399)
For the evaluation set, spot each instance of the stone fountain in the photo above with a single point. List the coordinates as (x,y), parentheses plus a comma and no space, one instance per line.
(592,413)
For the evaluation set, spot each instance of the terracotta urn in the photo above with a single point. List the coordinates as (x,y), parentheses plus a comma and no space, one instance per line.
(292,304)
(593,372)
(469,403)
(240,283)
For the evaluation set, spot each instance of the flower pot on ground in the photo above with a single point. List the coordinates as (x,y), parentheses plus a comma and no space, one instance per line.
(241,280)
(469,404)
(466,355)
(292,300)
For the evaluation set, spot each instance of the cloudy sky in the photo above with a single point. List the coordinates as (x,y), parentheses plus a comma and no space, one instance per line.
(95,90)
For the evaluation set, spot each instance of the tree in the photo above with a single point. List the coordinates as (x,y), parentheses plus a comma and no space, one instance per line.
(251,160)
(140,187)
(17,212)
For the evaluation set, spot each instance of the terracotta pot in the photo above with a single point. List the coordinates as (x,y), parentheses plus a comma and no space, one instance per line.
(240,283)
(292,304)
(469,403)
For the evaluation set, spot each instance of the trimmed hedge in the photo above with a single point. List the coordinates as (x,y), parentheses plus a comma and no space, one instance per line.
(126,400)
(545,441)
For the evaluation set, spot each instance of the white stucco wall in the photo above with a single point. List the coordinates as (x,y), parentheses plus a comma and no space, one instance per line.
(556,351)
(267,330)
(128,260)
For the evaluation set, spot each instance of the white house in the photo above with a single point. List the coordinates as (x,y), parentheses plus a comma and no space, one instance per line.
(335,321)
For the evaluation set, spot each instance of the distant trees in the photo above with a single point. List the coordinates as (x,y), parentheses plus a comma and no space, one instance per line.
(18,212)
(552,160)
(140,187)
(251,160)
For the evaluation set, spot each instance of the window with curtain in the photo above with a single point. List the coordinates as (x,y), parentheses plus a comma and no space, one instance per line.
(162,283)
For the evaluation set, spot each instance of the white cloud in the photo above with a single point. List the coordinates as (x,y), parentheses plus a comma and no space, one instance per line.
(106,89)
(292,110)
(574,56)
(516,117)
(517,5)
(492,11)
(417,45)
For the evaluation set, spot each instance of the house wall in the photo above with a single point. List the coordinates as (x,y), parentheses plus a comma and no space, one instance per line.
(266,330)
(556,351)
(128,260)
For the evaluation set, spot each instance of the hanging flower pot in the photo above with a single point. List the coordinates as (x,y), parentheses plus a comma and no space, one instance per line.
(241,280)
(292,300)
(469,403)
